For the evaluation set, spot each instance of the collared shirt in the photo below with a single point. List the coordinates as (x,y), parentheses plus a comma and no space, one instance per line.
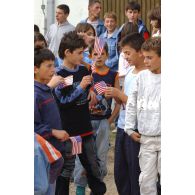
(112,61)
(55,34)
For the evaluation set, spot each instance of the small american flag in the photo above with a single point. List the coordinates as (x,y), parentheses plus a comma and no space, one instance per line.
(67,81)
(100,87)
(93,67)
(99,45)
(98,48)
(76,145)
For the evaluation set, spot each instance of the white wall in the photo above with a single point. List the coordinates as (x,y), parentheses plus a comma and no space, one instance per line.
(78,11)
(38,15)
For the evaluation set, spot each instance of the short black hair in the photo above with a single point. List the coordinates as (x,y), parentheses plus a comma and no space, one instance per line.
(36,28)
(134,40)
(91,48)
(133,6)
(65,8)
(71,41)
(41,55)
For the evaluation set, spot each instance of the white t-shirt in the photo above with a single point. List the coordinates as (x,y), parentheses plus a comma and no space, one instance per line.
(94,24)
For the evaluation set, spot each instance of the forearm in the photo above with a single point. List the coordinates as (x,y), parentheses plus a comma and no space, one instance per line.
(115,112)
(69,97)
(131,114)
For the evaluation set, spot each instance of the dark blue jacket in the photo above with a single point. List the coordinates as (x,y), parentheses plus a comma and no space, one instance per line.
(46,114)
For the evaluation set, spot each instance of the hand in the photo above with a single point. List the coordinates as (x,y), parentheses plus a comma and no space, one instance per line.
(87,38)
(136,136)
(111,92)
(62,135)
(86,81)
(92,98)
(110,121)
(55,81)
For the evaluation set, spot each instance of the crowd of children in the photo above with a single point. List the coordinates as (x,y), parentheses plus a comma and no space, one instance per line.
(88,78)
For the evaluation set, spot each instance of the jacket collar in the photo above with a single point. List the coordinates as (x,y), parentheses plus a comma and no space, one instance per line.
(42,86)
(114,35)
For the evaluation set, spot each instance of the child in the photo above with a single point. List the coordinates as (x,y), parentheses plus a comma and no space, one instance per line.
(155,20)
(101,116)
(93,18)
(47,122)
(126,165)
(143,112)
(111,37)
(124,66)
(74,109)
(132,12)
(87,31)
(57,30)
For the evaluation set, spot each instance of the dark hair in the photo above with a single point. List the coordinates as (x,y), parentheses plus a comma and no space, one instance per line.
(91,48)
(41,55)
(128,28)
(36,28)
(39,37)
(91,2)
(153,44)
(133,6)
(155,14)
(134,40)
(71,41)
(84,27)
(65,8)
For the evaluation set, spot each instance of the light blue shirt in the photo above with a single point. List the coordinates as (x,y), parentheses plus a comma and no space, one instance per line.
(128,86)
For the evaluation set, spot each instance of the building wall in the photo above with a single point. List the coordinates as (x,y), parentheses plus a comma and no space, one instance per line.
(118,6)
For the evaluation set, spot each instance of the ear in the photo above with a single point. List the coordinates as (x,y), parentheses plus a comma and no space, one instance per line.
(66,52)
(36,69)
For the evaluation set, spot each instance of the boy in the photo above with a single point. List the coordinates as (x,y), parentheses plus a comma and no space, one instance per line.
(126,165)
(101,115)
(56,30)
(110,36)
(132,12)
(94,9)
(143,112)
(74,110)
(47,122)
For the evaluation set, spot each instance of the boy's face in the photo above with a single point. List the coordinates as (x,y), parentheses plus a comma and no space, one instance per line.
(132,15)
(100,60)
(110,24)
(61,16)
(95,10)
(152,61)
(44,73)
(75,57)
(131,55)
